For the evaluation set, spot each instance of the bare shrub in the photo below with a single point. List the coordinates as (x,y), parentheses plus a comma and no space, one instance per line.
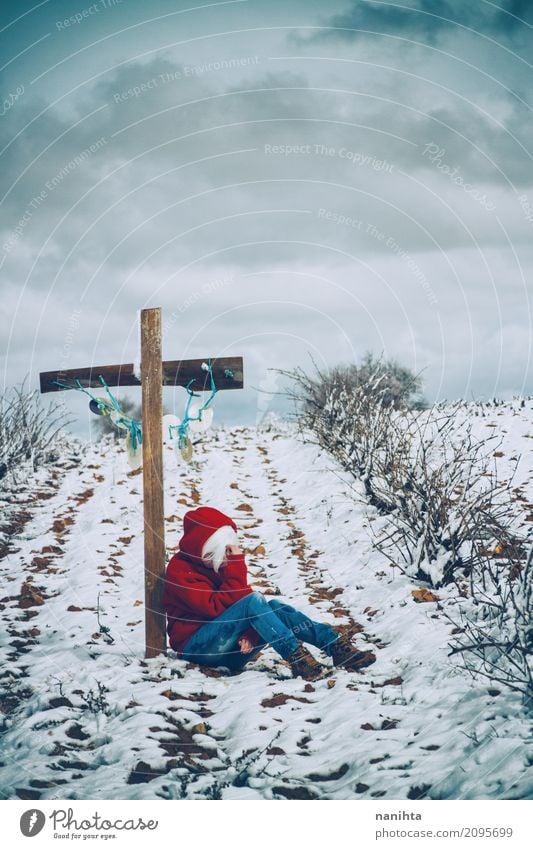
(29,431)
(445,495)
(495,629)
(95,701)
(423,469)
(352,422)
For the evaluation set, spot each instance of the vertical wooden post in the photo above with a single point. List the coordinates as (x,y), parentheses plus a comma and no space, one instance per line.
(154,516)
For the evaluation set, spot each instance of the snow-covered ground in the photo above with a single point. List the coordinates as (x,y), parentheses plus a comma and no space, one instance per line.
(87,717)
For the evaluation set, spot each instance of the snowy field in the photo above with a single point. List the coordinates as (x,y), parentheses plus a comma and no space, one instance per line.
(86,717)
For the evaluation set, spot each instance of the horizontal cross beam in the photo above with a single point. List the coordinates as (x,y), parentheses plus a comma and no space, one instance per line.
(175,373)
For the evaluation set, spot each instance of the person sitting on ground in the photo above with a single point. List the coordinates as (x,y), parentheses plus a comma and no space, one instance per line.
(214,618)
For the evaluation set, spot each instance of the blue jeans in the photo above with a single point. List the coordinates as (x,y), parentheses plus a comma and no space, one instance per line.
(277,623)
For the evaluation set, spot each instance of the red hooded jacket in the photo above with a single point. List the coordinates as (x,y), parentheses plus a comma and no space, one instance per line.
(193,593)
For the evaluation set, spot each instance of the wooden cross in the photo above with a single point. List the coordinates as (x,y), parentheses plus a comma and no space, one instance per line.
(228,374)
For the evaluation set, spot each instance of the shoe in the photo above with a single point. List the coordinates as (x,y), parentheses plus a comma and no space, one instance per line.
(304,665)
(344,654)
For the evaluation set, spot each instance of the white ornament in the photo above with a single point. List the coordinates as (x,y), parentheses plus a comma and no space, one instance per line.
(202,425)
(170,436)
(135,455)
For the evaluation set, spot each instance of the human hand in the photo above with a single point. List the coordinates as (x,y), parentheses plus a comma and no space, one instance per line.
(245,646)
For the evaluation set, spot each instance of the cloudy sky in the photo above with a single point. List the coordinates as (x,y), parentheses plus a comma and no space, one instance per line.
(288,180)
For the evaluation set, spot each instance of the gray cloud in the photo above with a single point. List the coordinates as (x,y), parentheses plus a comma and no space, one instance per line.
(427,20)
(275,208)
(132,187)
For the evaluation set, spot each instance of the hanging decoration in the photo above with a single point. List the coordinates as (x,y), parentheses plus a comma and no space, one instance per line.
(196,419)
(110,407)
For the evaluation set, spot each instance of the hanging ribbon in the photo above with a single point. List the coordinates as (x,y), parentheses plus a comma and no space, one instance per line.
(184,443)
(134,440)
(104,407)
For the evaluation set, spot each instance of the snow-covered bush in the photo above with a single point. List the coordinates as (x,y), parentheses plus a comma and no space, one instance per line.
(494,635)
(350,421)
(29,432)
(422,468)
(445,496)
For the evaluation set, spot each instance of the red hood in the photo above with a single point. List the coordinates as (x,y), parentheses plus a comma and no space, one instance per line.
(198,526)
